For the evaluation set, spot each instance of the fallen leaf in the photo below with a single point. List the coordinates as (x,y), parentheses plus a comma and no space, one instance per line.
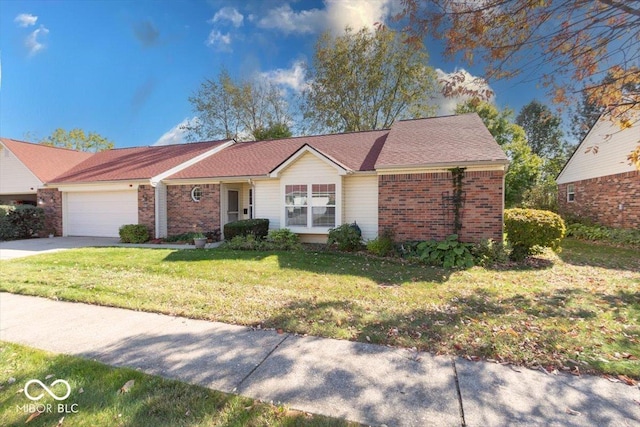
(127,386)
(80,390)
(625,379)
(367,338)
(60,422)
(11,380)
(49,376)
(572,412)
(279,331)
(33,416)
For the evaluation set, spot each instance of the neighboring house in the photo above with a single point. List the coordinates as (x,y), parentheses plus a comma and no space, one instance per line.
(397,179)
(600,184)
(25,167)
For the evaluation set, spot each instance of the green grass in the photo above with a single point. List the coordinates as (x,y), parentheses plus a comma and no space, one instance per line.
(579,308)
(151,401)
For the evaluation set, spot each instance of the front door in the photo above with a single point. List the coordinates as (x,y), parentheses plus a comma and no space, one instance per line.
(233,206)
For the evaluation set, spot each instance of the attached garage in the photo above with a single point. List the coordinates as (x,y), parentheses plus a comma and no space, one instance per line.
(99,214)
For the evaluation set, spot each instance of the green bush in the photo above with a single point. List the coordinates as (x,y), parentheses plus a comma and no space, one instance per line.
(616,236)
(248,242)
(26,220)
(346,237)
(258,227)
(489,252)
(449,253)
(529,229)
(282,240)
(382,245)
(134,233)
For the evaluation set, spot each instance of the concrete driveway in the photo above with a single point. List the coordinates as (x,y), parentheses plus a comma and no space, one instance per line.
(22,248)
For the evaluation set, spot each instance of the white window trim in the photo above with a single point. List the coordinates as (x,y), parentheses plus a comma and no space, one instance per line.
(193,190)
(571,191)
(309,229)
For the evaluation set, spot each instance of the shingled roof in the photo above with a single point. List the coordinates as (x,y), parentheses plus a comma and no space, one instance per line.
(449,140)
(134,163)
(44,161)
(356,151)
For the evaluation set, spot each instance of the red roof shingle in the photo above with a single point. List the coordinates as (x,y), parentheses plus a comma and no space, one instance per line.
(439,140)
(134,163)
(43,161)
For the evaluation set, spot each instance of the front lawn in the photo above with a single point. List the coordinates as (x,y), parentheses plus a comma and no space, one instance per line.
(578,311)
(105,396)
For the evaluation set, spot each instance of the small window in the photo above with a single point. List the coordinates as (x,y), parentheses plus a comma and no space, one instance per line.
(196,194)
(571,193)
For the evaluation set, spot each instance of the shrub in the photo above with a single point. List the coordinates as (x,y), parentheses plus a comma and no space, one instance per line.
(4,210)
(247,242)
(616,236)
(214,235)
(449,253)
(283,240)
(346,237)
(134,233)
(529,229)
(382,245)
(489,252)
(26,220)
(258,227)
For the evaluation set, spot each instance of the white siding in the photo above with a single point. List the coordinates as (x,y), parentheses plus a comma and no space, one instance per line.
(361,204)
(309,169)
(267,201)
(98,214)
(614,145)
(15,177)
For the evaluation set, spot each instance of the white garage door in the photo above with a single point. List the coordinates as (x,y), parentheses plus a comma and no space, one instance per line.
(100,214)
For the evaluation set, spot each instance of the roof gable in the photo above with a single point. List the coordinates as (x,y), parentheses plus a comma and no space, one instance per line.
(340,169)
(614,145)
(45,162)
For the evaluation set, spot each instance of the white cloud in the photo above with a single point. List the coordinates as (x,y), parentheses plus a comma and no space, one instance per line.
(33,43)
(176,134)
(25,20)
(230,14)
(465,87)
(336,15)
(292,77)
(219,41)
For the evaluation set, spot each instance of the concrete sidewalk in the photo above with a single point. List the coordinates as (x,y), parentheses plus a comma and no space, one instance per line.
(371,384)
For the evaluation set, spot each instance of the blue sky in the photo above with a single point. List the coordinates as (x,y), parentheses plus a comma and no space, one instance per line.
(125,68)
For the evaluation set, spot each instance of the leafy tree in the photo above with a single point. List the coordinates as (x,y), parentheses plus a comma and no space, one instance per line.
(573,42)
(274,131)
(365,80)
(543,130)
(77,139)
(229,109)
(524,165)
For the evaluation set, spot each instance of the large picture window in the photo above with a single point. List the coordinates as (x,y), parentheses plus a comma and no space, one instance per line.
(320,198)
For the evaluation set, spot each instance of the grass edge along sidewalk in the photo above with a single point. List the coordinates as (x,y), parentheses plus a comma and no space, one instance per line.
(103,395)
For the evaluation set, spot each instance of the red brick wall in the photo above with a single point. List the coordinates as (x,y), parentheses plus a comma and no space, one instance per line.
(52,204)
(599,200)
(147,208)
(412,205)
(184,215)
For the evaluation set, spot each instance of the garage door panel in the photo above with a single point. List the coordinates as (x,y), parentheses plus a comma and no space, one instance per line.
(101,213)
